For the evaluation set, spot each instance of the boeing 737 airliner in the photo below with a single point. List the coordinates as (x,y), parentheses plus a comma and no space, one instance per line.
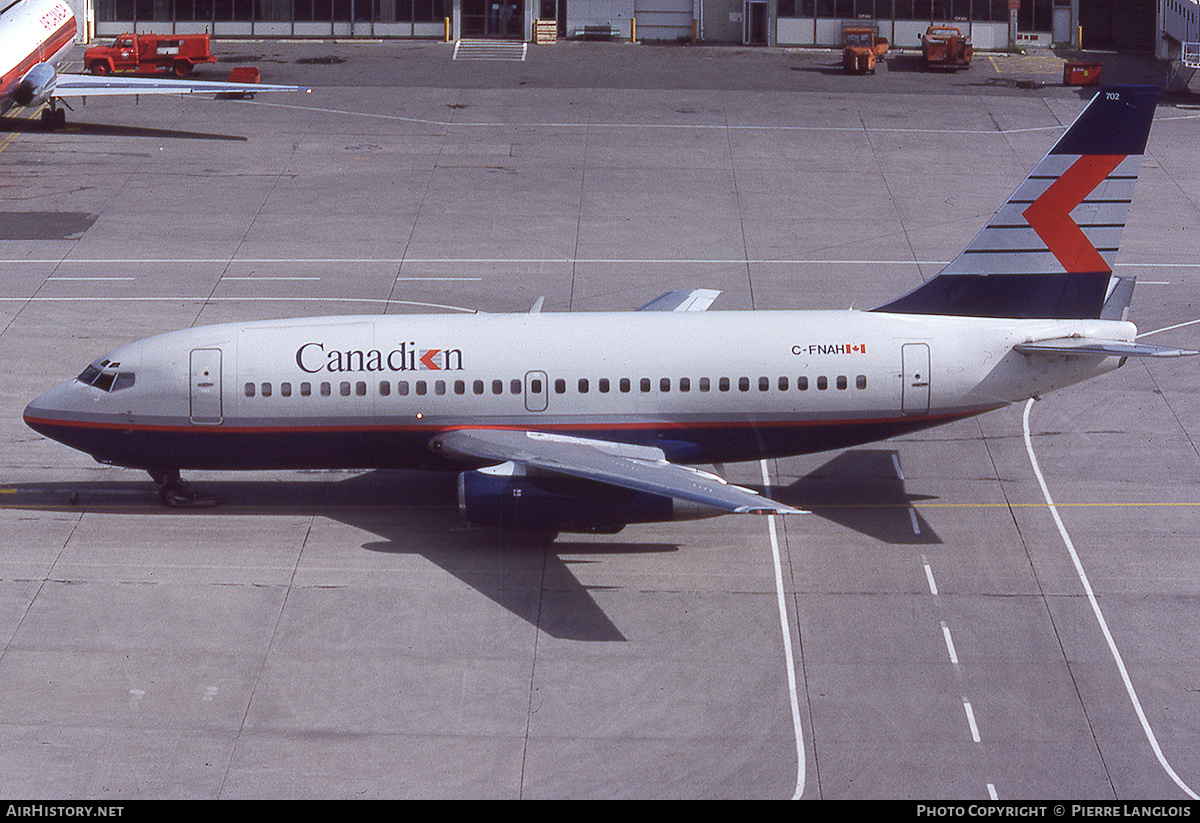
(36,34)
(589,422)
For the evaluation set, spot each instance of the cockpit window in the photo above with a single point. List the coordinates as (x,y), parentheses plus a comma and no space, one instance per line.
(104,376)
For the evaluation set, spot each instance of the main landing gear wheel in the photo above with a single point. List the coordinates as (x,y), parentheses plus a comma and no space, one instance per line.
(54,118)
(175,493)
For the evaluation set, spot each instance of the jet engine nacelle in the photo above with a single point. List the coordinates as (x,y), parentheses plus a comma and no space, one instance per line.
(36,86)
(505,496)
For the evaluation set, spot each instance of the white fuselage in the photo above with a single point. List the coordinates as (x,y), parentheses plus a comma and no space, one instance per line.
(32,32)
(715,386)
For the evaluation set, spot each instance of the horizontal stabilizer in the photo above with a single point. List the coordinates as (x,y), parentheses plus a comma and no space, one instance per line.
(1090,347)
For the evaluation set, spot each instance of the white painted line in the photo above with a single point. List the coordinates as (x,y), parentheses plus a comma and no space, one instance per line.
(267,278)
(896,465)
(466,261)
(719,126)
(971,719)
(933,589)
(1091,596)
(949,644)
(992,791)
(1168,328)
(912,516)
(246,299)
(789,659)
(666,261)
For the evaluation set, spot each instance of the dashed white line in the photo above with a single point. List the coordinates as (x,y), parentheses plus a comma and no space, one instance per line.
(971,719)
(949,644)
(933,589)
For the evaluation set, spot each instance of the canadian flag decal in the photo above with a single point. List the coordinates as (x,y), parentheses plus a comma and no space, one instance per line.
(1050,214)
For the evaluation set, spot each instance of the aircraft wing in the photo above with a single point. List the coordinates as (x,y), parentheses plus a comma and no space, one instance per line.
(641,468)
(683,300)
(90,85)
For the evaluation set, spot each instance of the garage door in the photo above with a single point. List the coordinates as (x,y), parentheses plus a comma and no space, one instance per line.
(663,19)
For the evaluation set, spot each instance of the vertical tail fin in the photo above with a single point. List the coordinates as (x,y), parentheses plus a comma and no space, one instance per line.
(1049,250)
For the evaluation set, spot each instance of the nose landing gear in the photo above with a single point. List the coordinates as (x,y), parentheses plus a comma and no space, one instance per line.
(175,493)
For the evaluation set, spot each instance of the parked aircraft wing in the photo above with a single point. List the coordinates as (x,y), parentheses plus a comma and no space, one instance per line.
(1091,347)
(641,468)
(89,85)
(683,300)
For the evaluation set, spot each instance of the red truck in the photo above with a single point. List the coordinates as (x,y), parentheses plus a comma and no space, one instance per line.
(946,47)
(150,53)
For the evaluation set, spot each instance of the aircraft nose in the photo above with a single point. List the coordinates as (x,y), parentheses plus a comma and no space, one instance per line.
(45,411)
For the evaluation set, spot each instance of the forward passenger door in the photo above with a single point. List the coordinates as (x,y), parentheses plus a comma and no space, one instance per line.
(205,384)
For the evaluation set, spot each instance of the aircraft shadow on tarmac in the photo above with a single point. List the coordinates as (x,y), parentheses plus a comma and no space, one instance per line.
(529,574)
(863,490)
(412,513)
(22,125)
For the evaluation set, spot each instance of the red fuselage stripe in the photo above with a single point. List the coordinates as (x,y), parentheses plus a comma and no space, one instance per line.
(526,426)
(49,47)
